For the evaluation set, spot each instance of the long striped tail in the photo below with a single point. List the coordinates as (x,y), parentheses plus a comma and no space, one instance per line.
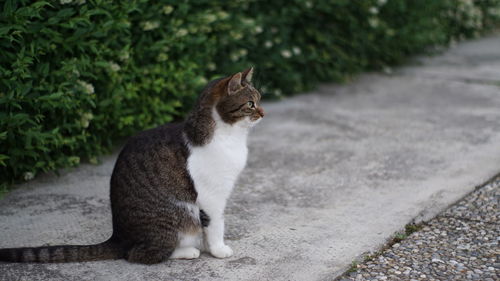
(64,253)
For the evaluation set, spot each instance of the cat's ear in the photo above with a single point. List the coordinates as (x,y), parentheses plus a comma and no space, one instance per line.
(234,84)
(247,75)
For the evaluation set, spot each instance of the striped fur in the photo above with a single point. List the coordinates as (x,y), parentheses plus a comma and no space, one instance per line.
(67,253)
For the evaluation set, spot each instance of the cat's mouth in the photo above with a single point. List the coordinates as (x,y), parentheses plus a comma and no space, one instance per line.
(260,114)
(255,120)
(257,117)
(260,110)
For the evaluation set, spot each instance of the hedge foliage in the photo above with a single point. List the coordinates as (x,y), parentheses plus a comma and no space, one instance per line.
(76,75)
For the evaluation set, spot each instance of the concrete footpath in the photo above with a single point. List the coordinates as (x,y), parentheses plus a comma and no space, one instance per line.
(331,175)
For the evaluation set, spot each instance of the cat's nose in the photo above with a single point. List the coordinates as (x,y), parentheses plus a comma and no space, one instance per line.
(260,110)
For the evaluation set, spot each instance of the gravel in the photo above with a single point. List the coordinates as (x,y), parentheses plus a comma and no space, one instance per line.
(459,244)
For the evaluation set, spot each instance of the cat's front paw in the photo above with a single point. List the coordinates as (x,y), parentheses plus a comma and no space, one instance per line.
(221,251)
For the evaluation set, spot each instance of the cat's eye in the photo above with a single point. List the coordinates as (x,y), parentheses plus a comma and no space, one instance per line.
(251,104)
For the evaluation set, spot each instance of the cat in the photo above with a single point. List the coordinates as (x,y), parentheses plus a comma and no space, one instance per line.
(170,184)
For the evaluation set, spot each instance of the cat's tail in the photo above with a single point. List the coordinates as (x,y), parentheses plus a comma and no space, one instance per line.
(64,253)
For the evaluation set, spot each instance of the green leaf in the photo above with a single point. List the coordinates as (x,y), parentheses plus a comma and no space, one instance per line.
(4,30)
(3,157)
(8,7)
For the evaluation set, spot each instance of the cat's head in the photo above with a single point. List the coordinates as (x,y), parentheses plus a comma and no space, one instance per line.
(239,101)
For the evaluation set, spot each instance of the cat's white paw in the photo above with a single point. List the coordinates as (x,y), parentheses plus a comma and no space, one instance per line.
(221,251)
(185,253)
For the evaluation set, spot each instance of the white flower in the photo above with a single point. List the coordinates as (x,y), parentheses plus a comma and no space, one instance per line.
(286,54)
(87,87)
(238,54)
(124,56)
(211,66)
(88,115)
(209,18)
(167,9)
(234,57)
(205,29)
(65,2)
(309,4)
(162,57)
(222,15)
(268,44)
(200,81)
(373,10)
(243,52)
(85,119)
(114,66)
(28,176)
(258,29)
(373,22)
(181,32)
(296,50)
(248,21)
(149,25)
(236,35)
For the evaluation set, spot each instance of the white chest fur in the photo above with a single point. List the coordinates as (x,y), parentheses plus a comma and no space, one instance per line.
(215,166)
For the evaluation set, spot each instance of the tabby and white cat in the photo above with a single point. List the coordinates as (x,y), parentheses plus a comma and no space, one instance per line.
(170,184)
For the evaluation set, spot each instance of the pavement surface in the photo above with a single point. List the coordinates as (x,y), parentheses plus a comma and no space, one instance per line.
(459,244)
(331,175)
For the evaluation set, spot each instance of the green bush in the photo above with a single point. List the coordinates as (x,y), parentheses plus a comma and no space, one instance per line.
(77,75)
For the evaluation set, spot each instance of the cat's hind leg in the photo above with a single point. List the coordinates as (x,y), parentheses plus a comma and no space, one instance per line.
(153,250)
(188,248)
(148,254)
